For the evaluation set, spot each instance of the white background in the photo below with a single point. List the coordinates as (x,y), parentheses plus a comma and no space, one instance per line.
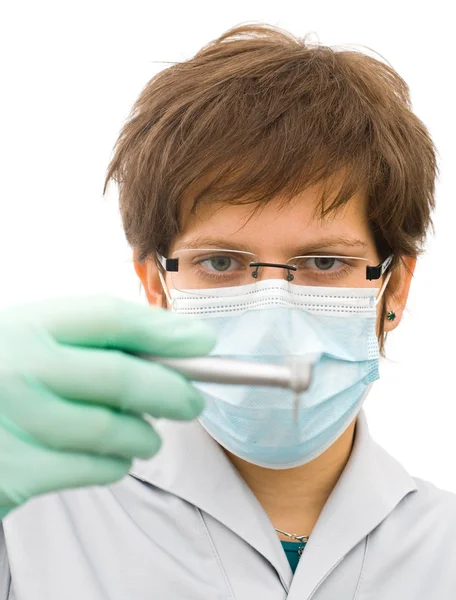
(69,75)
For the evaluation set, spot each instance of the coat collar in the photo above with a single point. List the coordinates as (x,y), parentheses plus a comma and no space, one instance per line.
(192,466)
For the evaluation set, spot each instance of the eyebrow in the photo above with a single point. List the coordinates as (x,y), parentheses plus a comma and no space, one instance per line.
(315,246)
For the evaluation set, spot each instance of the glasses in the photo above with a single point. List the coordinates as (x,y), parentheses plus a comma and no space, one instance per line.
(198,269)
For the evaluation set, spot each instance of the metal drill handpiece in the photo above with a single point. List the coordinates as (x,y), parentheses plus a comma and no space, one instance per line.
(237,372)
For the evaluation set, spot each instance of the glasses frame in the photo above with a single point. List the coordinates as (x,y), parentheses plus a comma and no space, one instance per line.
(171,265)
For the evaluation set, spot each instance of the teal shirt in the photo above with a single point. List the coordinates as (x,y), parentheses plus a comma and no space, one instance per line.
(293,550)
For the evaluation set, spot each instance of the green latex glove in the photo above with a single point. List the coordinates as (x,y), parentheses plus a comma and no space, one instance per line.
(71,402)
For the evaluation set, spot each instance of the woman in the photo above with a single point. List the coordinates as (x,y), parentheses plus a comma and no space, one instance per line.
(279,194)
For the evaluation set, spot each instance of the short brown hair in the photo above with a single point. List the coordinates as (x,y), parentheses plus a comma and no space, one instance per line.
(269,114)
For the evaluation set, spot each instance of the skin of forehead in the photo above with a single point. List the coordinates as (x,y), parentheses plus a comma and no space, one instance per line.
(278,227)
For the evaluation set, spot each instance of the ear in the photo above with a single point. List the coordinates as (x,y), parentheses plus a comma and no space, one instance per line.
(147,272)
(399,287)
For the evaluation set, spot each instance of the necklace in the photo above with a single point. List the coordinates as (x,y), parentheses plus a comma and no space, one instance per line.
(293,536)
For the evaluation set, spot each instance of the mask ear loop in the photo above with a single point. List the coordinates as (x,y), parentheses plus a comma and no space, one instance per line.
(165,287)
(383,288)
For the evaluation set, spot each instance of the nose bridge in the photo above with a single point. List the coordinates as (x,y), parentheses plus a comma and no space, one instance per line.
(277,272)
(272,273)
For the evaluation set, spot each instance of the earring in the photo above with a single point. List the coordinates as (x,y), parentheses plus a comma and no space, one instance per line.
(391,315)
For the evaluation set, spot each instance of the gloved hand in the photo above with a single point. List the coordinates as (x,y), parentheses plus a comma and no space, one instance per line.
(71,401)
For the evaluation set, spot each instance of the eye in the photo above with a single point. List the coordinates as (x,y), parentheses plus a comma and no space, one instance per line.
(323,263)
(219,264)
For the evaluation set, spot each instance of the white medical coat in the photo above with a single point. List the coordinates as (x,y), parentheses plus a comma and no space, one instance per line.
(184,525)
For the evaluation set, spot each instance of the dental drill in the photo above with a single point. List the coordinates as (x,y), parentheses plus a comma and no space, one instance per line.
(295,375)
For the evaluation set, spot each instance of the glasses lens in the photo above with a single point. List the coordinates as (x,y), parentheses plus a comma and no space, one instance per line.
(331,271)
(205,268)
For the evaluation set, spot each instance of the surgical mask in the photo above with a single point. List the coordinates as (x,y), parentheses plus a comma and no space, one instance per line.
(275,321)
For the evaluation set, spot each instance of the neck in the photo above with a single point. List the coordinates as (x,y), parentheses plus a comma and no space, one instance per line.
(294,498)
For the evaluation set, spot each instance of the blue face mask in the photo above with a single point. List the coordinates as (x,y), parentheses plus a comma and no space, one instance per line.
(273,321)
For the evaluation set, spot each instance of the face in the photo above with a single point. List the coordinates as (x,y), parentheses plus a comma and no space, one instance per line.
(278,232)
